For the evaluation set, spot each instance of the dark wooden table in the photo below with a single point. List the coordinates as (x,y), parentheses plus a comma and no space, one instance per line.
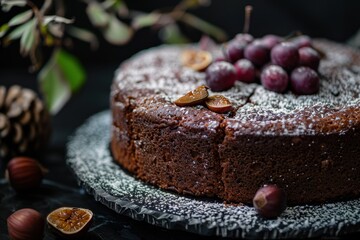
(60,187)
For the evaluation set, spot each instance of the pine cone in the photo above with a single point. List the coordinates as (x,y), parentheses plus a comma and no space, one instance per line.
(24,122)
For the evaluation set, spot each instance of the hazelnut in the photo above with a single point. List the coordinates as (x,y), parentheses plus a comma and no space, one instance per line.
(193,97)
(25,174)
(270,201)
(70,222)
(218,104)
(25,224)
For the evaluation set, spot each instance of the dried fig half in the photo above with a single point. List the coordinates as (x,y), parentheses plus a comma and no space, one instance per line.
(196,59)
(218,104)
(194,97)
(70,222)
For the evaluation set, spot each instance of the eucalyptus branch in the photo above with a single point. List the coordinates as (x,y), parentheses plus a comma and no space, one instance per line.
(60,8)
(177,14)
(36,11)
(62,74)
(35,57)
(181,7)
(46,6)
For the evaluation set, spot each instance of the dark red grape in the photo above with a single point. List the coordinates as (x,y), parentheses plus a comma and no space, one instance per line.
(271,41)
(302,41)
(270,201)
(274,78)
(244,37)
(245,71)
(220,76)
(304,81)
(309,57)
(234,50)
(220,59)
(257,53)
(285,55)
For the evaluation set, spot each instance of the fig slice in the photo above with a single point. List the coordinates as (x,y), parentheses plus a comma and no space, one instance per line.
(193,97)
(70,221)
(218,104)
(197,60)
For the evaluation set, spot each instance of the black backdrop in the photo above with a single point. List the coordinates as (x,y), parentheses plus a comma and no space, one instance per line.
(333,19)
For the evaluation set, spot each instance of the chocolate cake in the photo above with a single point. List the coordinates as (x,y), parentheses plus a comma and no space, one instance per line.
(307,144)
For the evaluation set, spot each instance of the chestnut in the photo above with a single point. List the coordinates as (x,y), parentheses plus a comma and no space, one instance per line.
(270,201)
(25,174)
(25,224)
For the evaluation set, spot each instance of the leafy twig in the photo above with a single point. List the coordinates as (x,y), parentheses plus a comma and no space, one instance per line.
(46,6)
(204,26)
(46,25)
(36,10)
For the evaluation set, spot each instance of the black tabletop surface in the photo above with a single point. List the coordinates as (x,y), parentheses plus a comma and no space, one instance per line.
(60,187)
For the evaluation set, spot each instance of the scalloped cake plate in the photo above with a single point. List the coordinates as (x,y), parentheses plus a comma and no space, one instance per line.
(89,157)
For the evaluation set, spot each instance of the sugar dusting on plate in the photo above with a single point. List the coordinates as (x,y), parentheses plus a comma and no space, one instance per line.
(89,157)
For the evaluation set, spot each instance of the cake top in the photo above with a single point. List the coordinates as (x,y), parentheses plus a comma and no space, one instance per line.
(158,78)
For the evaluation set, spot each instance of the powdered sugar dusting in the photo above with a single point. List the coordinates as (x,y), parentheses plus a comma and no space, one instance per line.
(238,94)
(259,111)
(161,72)
(275,70)
(245,64)
(271,113)
(89,157)
(222,66)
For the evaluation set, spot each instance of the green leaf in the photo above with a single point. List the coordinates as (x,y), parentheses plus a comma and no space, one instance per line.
(121,8)
(57,19)
(108,4)
(28,39)
(204,26)
(72,70)
(118,6)
(3,29)
(56,91)
(145,20)
(21,18)
(171,34)
(97,15)
(83,35)
(19,31)
(59,78)
(188,4)
(117,32)
(8,4)
(56,30)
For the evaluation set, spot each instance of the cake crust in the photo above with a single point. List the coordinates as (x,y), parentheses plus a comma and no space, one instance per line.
(308,145)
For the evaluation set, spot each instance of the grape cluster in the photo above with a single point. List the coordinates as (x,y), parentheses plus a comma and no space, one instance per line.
(279,64)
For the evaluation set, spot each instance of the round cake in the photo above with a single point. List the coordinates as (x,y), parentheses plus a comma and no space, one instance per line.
(309,145)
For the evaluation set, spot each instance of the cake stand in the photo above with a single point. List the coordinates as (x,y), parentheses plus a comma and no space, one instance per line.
(89,156)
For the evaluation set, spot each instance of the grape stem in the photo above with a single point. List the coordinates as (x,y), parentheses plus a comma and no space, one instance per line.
(248,10)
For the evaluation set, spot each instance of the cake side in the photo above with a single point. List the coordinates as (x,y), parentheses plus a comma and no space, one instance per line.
(306,144)
(176,148)
(311,169)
